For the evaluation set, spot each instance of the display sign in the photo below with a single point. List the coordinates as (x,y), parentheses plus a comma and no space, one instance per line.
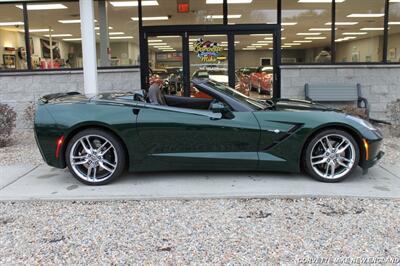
(208,51)
(183,7)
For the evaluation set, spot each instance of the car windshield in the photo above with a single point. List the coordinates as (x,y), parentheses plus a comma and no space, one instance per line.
(253,103)
(217,72)
(202,74)
(248,71)
(267,69)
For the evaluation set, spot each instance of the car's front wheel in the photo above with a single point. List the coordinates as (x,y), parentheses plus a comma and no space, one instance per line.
(331,156)
(95,157)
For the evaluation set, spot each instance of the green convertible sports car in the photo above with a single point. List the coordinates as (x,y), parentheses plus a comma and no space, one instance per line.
(99,137)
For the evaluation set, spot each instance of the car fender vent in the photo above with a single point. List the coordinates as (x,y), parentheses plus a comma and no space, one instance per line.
(284,136)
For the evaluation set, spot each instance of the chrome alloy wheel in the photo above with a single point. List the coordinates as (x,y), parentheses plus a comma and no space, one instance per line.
(333,156)
(93,158)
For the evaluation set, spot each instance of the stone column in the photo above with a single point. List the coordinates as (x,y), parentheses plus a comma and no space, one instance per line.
(88,47)
(104,40)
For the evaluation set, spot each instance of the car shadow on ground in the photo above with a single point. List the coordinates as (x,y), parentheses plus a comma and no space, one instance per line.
(357,176)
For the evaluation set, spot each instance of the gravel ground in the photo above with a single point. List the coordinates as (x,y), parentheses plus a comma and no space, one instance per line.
(198,232)
(391,147)
(24,150)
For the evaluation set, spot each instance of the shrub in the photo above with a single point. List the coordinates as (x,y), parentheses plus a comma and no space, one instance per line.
(29,114)
(7,124)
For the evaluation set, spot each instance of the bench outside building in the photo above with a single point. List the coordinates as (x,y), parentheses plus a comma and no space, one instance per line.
(337,94)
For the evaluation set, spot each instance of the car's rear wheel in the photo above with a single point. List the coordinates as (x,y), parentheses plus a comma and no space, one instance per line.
(95,157)
(331,156)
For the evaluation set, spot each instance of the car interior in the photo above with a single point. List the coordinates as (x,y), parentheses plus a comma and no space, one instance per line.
(160,98)
(188,102)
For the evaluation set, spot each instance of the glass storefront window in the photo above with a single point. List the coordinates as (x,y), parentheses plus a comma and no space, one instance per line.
(183,12)
(208,59)
(121,46)
(394,33)
(306,37)
(306,30)
(359,30)
(165,63)
(54,29)
(251,11)
(12,39)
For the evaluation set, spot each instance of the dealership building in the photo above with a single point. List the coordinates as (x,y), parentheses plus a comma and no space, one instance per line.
(95,46)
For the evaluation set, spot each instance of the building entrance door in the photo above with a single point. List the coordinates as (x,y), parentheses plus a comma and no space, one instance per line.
(245,58)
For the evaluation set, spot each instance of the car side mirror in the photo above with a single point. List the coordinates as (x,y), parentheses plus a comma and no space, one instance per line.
(222,109)
(140,96)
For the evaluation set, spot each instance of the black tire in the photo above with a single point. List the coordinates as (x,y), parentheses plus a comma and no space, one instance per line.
(117,155)
(313,143)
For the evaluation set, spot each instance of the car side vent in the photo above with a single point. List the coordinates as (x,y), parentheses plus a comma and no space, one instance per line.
(284,136)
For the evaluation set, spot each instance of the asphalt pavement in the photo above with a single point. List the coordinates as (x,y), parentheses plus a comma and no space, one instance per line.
(41,182)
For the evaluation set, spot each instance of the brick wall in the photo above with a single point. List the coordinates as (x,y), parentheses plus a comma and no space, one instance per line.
(380,84)
(20,89)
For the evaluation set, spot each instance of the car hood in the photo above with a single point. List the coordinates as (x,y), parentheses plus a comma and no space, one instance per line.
(291,104)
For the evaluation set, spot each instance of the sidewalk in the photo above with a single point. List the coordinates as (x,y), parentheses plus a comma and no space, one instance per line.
(21,182)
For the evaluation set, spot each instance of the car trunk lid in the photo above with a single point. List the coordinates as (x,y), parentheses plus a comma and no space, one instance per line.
(63,97)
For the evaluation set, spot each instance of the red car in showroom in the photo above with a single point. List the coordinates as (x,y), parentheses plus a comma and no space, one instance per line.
(242,83)
(261,80)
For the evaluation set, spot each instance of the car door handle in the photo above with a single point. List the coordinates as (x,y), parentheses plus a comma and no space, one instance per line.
(136,111)
(276,131)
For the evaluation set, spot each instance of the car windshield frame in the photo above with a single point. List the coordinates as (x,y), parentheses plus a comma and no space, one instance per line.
(254,104)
